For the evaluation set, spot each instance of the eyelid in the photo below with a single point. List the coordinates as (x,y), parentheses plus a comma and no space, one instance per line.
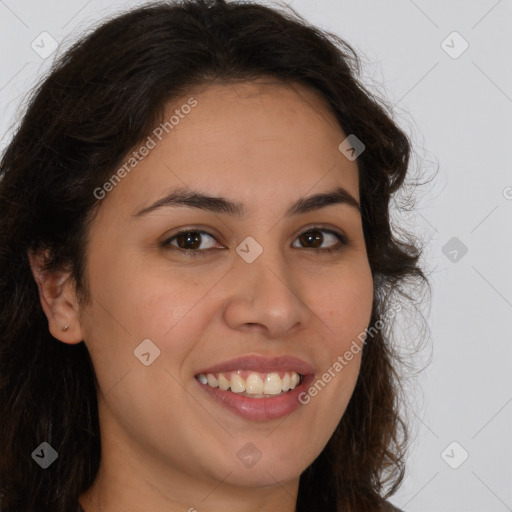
(324,227)
(193,229)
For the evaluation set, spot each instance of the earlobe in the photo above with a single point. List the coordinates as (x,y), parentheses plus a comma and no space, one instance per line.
(57,295)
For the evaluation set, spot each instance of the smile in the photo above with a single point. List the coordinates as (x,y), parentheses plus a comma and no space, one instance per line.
(252,384)
(257,387)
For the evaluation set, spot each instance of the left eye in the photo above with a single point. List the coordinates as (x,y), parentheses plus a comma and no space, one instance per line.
(188,241)
(311,236)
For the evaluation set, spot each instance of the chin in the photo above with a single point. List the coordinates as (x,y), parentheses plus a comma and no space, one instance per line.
(263,474)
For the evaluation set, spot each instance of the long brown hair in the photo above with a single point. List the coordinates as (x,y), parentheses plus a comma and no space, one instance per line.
(102,97)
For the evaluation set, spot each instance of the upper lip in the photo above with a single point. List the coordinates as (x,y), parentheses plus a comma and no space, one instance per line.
(262,364)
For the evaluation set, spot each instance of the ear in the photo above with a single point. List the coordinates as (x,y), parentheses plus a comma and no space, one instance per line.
(57,294)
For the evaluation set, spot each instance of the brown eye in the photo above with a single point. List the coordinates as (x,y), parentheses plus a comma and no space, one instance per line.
(315,237)
(312,237)
(188,241)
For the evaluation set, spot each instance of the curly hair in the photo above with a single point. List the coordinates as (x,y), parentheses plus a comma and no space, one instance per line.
(102,96)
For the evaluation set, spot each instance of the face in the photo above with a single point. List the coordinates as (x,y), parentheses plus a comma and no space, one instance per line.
(254,296)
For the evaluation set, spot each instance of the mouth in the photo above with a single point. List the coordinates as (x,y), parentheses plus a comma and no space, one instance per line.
(256,387)
(253,384)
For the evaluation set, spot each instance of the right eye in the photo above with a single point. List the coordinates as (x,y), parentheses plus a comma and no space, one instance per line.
(188,241)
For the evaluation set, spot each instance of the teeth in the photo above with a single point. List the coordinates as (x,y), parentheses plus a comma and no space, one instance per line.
(273,384)
(212,380)
(254,383)
(286,382)
(294,380)
(237,384)
(223,382)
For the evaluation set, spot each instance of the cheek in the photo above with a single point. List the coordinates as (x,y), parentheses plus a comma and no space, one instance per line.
(140,297)
(345,310)
(135,302)
(345,306)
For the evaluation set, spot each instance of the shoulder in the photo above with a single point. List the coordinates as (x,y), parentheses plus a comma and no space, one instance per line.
(388,507)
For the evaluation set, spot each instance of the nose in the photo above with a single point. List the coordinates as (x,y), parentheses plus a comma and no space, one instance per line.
(266,296)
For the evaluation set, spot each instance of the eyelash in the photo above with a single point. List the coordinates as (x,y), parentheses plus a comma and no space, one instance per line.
(197,252)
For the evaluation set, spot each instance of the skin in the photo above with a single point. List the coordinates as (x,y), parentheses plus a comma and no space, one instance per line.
(166,446)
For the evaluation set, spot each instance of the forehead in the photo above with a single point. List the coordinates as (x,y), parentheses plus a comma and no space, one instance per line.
(263,108)
(261,138)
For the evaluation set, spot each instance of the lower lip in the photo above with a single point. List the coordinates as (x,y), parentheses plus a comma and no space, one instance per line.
(260,409)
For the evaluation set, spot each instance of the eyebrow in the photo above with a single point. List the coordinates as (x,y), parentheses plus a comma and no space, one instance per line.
(216,204)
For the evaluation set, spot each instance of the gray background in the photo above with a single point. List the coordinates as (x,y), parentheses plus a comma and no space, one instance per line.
(457,109)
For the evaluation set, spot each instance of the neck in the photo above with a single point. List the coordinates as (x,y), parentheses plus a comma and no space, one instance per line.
(131,480)
(113,495)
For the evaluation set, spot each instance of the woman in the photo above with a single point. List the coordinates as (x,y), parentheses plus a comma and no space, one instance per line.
(197,269)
